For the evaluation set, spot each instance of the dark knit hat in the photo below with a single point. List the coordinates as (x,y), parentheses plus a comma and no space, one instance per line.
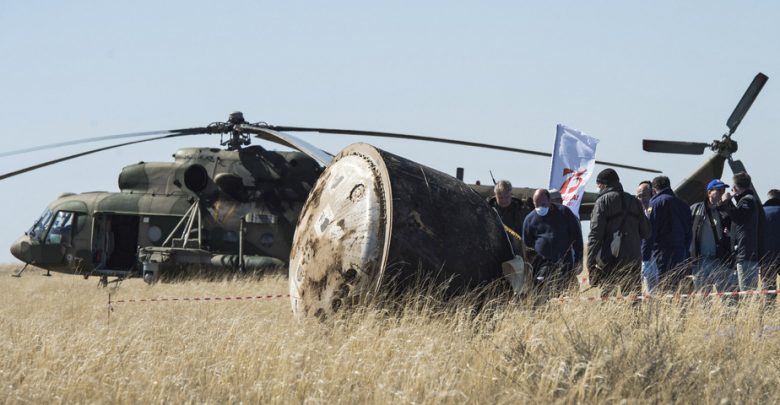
(608,177)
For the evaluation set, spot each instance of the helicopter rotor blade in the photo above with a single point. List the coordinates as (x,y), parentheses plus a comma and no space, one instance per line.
(439,140)
(747,100)
(288,140)
(685,148)
(736,166)
(187,131)
(62,159)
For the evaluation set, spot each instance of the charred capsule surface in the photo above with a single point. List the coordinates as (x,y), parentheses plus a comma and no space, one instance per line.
(376,221)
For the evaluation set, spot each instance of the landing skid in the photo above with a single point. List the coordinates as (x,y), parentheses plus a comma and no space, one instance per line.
(18,273)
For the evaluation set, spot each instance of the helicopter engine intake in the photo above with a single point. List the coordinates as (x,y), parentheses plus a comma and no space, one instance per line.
(195,179)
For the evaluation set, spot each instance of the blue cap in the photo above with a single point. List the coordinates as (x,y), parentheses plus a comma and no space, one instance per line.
(716,184)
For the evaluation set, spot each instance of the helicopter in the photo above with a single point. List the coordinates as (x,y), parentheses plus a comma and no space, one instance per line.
(227,191)
(211,209)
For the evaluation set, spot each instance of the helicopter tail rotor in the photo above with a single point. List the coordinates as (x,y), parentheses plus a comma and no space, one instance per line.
(685,148)
(693,188)
(736,166)
(725,146)
(747,100)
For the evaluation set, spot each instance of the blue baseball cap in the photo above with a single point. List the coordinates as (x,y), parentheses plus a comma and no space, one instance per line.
(714,184)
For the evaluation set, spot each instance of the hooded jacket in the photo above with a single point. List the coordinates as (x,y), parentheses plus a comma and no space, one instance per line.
(606,218)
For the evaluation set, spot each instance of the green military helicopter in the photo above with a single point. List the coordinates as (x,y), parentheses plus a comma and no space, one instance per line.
(232,208)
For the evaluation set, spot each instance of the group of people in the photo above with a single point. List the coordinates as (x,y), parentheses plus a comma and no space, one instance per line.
(653,240)
(547,230)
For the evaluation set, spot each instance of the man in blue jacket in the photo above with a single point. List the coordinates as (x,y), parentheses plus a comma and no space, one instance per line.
(554,233)
(771,264)
(747,218)
(670,236)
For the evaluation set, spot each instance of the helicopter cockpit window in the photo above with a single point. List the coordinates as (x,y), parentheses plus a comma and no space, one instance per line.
(61,228)
(39,227)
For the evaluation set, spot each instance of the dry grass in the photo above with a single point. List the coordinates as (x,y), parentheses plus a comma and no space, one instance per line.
(59,347)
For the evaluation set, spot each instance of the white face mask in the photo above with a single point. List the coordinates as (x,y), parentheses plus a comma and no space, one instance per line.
(542,211)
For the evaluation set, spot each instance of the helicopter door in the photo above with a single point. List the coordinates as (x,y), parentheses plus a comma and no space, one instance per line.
(115,241)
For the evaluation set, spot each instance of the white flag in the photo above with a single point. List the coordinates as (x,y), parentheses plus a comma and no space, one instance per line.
(573,158)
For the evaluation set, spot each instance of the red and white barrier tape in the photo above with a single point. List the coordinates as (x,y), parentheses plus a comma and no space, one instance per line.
(629,297)
(198,299)
(632,297)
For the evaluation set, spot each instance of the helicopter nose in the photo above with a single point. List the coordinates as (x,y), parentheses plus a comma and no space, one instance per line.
(21,249)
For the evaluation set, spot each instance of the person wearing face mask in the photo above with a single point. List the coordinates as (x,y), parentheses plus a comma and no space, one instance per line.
(554,233)
(711,247)
(617,226)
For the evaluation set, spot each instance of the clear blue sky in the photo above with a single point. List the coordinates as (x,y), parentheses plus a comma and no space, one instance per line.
(497,72)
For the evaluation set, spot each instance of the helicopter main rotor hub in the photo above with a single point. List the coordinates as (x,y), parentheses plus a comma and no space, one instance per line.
(725,147)
(237,139)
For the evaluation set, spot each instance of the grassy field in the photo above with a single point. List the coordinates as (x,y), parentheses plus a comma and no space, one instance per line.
(59,345)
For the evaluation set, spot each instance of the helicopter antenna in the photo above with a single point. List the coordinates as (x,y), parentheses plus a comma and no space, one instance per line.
(492,178)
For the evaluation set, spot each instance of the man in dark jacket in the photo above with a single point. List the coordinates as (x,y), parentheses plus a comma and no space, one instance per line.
(771,264)
(747,221)
(554,233)
(711,247)
(617,217)
(670,239)
(511,210)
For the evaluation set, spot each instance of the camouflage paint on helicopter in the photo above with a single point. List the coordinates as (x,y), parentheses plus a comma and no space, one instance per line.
(101,233)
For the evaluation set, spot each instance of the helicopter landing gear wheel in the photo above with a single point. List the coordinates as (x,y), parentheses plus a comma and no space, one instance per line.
(151,272)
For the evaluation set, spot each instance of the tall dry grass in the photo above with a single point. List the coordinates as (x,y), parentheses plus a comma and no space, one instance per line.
(60,346)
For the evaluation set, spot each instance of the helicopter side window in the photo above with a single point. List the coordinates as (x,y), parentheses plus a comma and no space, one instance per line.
(39,227)
(61,228)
